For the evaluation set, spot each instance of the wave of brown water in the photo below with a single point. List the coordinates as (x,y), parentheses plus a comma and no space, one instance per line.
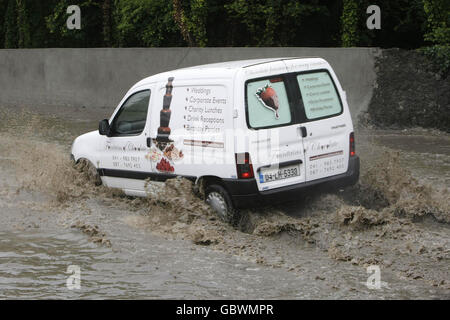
(389,218)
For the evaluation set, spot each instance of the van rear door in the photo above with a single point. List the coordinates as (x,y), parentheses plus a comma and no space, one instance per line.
(326,122)
(276,147)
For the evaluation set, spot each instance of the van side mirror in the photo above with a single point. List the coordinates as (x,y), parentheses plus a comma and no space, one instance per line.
(103,127)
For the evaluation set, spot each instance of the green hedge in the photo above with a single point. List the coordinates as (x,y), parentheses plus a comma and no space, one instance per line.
(147,23)
(440,57)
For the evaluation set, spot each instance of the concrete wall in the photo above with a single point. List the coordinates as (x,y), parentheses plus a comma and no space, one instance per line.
(98,78)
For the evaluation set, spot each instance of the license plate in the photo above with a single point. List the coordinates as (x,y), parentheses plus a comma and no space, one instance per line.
(268,175)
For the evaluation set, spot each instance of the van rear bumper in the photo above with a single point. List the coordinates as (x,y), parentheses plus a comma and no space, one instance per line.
(244,192)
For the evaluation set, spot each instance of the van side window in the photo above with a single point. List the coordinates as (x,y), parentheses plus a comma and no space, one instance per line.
(267,103)
(131,118)
(319,95)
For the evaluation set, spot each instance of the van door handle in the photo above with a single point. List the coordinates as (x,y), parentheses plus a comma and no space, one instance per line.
(304,132)
(149,142)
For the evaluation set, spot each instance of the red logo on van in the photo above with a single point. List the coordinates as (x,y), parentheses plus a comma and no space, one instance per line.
(268,97)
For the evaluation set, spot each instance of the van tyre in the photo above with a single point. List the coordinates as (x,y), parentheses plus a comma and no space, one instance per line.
(219,199)
(90,171)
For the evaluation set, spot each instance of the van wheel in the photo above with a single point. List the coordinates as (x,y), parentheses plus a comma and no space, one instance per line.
(217,197)
(90,171)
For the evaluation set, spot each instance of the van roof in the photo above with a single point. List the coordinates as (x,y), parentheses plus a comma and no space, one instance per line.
(228,66)
(242,63)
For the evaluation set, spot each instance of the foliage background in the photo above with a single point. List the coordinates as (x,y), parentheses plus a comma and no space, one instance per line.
(163,23)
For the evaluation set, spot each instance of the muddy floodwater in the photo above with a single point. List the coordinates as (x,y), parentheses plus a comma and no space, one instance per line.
(393,226)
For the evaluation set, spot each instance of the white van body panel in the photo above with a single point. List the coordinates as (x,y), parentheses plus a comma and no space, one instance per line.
(86,147)
(202,111)
(272,146)
(327,143)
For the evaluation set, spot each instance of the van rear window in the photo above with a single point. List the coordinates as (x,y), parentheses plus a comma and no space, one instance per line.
(319,95)
(267,103)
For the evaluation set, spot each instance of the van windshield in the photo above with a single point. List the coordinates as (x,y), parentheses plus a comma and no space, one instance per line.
(319,95)
(267,103)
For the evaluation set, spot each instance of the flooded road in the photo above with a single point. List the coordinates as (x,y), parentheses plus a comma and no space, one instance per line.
(52,217)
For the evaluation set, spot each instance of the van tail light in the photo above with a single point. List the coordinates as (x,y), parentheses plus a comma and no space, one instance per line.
(244,166)
(352,145)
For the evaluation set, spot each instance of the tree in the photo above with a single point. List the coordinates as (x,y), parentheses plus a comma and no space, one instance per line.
(181,21)
(23,25)
(147,23)
(402,24)
(192,21)
(91,32)
(37,12)
(438,18)
(277,23)
(11,40)
(350,23)
(3,5)
(156,23)
(108,23)
(197,21)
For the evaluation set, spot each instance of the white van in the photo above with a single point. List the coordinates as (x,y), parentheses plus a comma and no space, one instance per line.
(244,131)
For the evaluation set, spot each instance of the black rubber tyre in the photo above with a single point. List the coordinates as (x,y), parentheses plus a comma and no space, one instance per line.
(219,199)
